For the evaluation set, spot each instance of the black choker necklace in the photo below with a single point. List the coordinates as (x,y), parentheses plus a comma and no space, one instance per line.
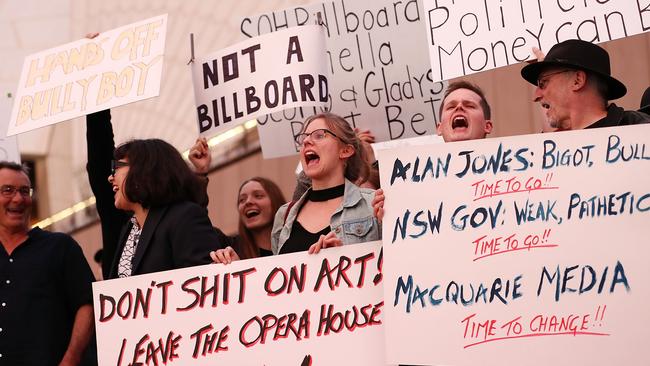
(326,194)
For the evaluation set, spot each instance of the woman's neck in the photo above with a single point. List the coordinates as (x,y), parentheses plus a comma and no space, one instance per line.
(140,214)
(325,183)
(262,237)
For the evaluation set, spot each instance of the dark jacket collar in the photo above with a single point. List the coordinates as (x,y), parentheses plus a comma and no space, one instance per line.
(151,223)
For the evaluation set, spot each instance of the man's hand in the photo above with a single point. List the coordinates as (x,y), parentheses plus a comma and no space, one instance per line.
(539,56)
(82,330)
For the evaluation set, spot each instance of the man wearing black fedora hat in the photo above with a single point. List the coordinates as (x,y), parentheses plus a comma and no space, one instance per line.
(574,85)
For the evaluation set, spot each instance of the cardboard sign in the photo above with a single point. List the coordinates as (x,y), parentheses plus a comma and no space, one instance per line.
(380,75)
(466,37)
(296,309)
(259,76)
(524,250)
(120,66)
(8,145)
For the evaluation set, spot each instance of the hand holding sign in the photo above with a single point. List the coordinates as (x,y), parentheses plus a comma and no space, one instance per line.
(225,256)
(200,156)
(378,204)
(325,241)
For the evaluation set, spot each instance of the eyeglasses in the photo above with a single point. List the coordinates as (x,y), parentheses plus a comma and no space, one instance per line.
(10,191)
(543,80)
(116,164)
(316,135)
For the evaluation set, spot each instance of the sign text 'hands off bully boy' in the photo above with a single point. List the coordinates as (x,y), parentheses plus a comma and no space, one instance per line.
(118,67)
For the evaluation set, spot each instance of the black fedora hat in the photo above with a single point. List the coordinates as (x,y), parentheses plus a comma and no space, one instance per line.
(645,102)
(581,55)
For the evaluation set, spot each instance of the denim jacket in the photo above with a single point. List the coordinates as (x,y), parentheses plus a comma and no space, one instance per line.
(352,222)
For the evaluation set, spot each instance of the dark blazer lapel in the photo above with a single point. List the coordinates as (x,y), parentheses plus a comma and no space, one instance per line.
(153,219)
(120,247)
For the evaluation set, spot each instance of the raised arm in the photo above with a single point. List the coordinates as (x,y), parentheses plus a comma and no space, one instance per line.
(99,139)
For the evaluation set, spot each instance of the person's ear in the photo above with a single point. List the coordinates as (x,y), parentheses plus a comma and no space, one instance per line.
(346,151)
(579,80)
(488,126)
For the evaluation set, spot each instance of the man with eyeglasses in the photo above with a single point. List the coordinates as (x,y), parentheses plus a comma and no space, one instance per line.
(574,85)
(46,315)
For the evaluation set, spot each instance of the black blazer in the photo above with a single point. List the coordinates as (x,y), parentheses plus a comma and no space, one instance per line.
(114,222)
(175,236)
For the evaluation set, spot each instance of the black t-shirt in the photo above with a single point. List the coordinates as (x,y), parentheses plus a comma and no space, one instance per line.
(42,285)
(300,239)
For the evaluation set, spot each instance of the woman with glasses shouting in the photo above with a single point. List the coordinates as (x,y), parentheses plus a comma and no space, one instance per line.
(334,211)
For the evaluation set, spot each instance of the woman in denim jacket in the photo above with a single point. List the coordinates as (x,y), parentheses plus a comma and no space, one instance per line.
(334,211)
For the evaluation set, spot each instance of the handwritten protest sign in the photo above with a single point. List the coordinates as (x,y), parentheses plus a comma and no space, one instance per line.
(466,37)
(294,309)
(120,66)
(380,75)
(8,145)
(524,250)
(258,76)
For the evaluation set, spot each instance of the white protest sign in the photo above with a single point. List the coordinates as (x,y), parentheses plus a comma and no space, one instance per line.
(120,66)
(466,37)
(528,250)
(413,141)
(294,309)
(8,145)
(262,75)
(380,74)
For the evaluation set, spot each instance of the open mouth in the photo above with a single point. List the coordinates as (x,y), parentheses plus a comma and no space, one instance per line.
(251,213)
(545,105)
(18,211)
(311,157)
(459,122)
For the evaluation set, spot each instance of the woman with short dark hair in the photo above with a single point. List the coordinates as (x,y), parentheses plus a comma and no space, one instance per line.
(169,229)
